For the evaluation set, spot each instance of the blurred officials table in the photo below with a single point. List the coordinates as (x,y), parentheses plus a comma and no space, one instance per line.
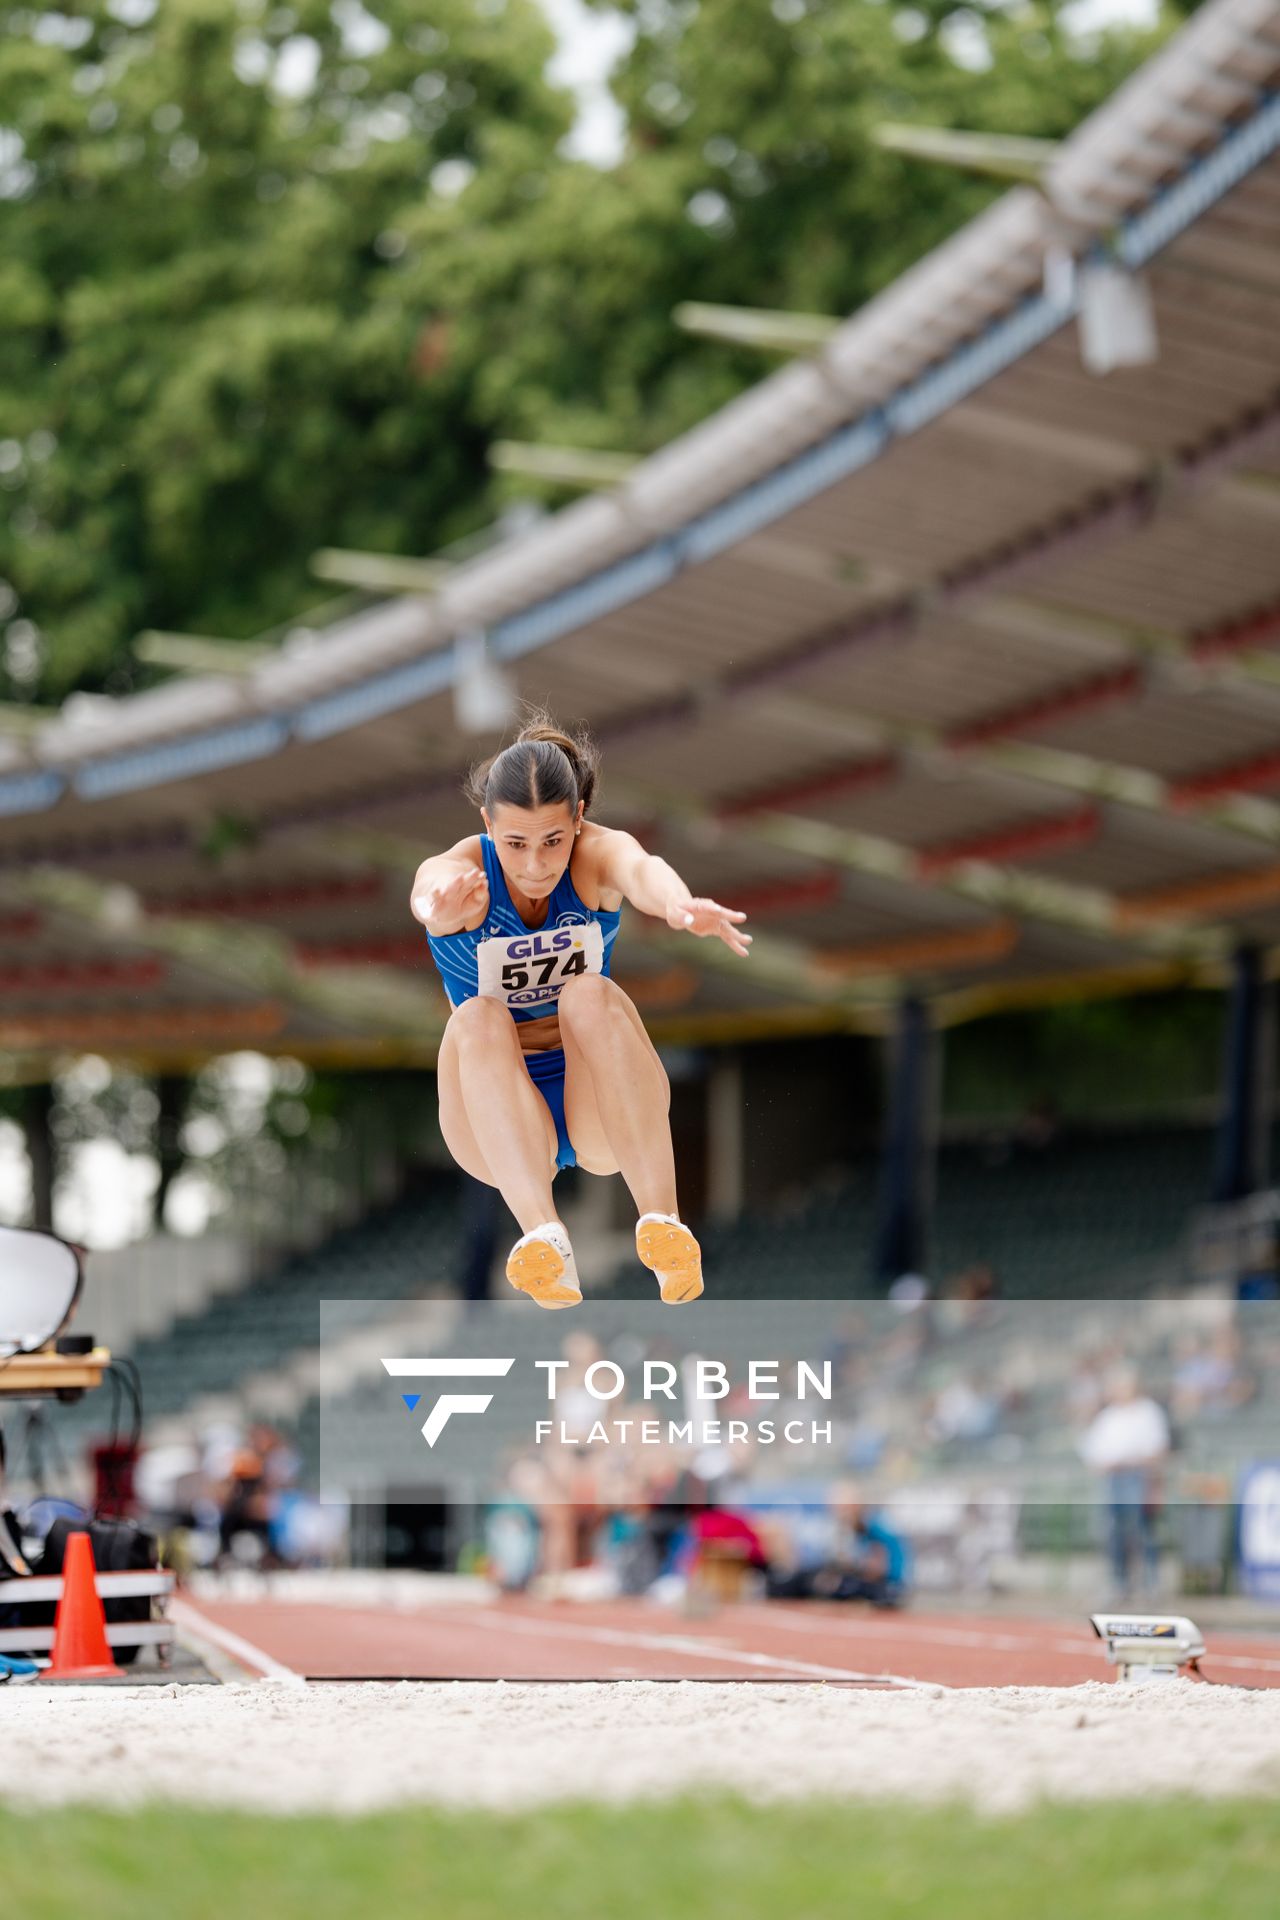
(47,1373)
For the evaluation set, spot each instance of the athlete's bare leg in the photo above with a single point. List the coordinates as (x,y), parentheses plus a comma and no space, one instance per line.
(616,1092)
(494,1121)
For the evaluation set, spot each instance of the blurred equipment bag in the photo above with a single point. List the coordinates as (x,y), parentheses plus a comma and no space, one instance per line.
(118,1547)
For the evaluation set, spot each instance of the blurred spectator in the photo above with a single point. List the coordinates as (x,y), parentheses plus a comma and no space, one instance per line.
(714,1549)
(1086,1389)
(912,1296)
(986,1542)
(1040,1125)
(306,1532)
(866,1559)
(575,1407)
(848,1351)
(1127,1442)
(252,1497)
(1210,1377)
(964,1410)
(513,1527)
(629,1544)
(976,1283)
(246,1511)
(909,1290)
(868,1436)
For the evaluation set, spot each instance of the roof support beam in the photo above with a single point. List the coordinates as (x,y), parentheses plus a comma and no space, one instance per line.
(1218,893)
(887,750)
(791,968)
(978,946)
(1235,653)
(379,572)
(1117,510)
(1020,842)
(863,980)
(107,1029)
(1050,708)
(249,901)
(105,974)
(198,653)
(254,960)
(585,467)
(1001,156)
(18,720)
(1026,896)
(767,329)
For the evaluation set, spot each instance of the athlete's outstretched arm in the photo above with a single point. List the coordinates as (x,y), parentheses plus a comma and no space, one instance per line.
(655,888)
(450,888)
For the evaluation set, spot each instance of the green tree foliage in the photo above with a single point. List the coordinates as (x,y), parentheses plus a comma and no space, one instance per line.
(273,278)
(210,366)
(751,177)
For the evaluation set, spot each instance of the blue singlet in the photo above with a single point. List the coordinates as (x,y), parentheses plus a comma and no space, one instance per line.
(457,957)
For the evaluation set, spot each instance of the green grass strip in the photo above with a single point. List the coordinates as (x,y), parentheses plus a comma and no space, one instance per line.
(704,1859)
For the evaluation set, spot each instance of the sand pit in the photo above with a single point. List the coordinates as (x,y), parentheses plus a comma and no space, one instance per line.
(282,1748)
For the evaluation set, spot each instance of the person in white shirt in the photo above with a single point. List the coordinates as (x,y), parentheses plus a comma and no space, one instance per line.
(1127,1442)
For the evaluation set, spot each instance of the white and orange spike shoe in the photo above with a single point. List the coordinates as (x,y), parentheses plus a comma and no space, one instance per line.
(669,1250)
(541,1264)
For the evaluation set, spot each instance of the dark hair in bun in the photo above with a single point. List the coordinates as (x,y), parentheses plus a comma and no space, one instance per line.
(543,765)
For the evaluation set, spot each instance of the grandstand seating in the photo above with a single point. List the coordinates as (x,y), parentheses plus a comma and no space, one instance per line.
(1062,1217)
(1031,1457)
(1076,1216)
(1072,1218)
(1088,1216)
(407,1249)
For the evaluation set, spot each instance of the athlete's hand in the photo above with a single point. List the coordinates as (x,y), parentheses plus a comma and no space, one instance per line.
(708,918)
(446,904)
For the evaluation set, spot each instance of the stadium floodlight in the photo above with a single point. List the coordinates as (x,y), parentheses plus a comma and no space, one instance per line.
(1117,320)
(1149,1646)
(484,699)
(40,1282)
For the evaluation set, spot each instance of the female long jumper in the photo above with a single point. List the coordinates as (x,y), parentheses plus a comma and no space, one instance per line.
(545,1062)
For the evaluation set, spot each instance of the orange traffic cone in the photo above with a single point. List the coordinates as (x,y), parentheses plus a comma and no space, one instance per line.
(80,1650)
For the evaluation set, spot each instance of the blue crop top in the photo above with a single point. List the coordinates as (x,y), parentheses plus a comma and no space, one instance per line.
(527,966)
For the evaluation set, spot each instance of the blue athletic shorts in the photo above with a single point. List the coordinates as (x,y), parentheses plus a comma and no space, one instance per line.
(546,1070)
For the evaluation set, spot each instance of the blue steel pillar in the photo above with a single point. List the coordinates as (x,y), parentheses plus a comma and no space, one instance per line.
(42,1152)
(908,1152)
(1241,1164)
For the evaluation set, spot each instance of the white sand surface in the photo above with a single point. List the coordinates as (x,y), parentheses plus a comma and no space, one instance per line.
(352,1748)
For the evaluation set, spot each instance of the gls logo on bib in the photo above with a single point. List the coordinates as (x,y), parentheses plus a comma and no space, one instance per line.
(529,969)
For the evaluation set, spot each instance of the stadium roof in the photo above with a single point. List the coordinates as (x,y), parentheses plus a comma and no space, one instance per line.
(953,662)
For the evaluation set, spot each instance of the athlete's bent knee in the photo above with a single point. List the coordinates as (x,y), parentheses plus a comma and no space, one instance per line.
(479,1018)
(587,999)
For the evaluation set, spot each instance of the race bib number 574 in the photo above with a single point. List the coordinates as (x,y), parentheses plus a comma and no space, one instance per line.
(529,969)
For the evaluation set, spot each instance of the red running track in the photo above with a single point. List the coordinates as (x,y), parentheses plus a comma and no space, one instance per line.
(519,1639)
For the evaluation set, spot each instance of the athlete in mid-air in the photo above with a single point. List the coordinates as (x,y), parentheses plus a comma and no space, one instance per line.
(545,1062)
